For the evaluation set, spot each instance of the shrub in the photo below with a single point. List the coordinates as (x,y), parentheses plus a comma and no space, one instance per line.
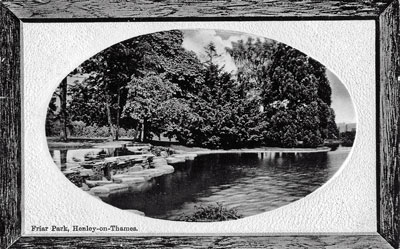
(80,129)
(347,138)
(211,213)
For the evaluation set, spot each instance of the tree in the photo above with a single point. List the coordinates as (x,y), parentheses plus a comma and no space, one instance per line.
(277,97)
(147,99)
(252,59)
(63,110)
(299,93)
(212,109)
(160,53)
(51,117)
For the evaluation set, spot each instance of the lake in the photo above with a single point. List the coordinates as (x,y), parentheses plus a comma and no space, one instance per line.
(250,182)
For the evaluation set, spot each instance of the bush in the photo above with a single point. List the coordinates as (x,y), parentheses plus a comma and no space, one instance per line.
(212,213)
(80,129)
(347,138)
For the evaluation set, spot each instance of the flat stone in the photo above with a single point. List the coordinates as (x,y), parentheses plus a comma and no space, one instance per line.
(135,168)
(126,158)
(167,169)
(190,156)
(155,172)
(144,173)
(119,176)
(86,172)
(172,160)
(68,172)
(130,180)
(85,187)
(110,189)
(160,160)
(179,155)
(92,184)
(164,154)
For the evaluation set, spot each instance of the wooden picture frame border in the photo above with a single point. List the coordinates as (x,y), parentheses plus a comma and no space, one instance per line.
(384,13)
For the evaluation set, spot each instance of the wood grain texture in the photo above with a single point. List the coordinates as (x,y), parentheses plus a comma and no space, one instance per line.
(145,9)
(10,124)
(42,10)
(389,203)
(279,242)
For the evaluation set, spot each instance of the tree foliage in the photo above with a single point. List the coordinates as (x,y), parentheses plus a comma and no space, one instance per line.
(278,96)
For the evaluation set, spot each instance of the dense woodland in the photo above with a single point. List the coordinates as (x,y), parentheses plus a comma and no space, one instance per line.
(151,86)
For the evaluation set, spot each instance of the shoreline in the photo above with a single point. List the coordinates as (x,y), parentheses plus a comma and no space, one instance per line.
(255,150)
(56,145)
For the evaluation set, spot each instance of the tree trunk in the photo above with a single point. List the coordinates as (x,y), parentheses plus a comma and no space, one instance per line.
(118,115)
(63,110)
(142,132)
(137,134)
(145,131)
(109,117)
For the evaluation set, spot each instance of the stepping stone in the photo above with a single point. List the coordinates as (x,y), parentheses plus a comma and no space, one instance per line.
(119,176)
(147,176)
(109,189)
(68,172)
(167,169)
(92,184)
(130,180)
(164,154)
(173,160)
(154,172)
(135,169)
(160,160)
(86,172)
(191,156)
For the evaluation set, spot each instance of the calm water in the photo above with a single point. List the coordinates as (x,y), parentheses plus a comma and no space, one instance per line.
(251,182)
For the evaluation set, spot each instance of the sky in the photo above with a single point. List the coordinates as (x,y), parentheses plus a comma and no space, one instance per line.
(196,40)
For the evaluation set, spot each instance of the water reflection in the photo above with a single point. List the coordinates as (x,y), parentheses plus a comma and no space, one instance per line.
(251,182)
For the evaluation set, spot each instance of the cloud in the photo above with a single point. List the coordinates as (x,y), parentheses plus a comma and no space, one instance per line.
(196,40)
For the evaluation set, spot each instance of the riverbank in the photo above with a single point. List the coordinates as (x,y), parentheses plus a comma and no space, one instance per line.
(204,151)
(78,142)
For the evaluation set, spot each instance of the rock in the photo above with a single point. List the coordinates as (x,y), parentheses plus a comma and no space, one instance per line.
(119,176)
(167,169)
(135,212)
(109,189)
(85,187)
(130,180)
(92,184)
(144,173)
(155,172)
(135,168)
(190,156)
(174,159)
(164,154)
(159,161)
(68,172)
(86,172)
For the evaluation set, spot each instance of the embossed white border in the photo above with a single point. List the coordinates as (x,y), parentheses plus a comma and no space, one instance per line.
(346,203)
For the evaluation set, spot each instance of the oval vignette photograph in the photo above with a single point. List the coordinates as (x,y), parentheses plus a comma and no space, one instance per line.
(200,125)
